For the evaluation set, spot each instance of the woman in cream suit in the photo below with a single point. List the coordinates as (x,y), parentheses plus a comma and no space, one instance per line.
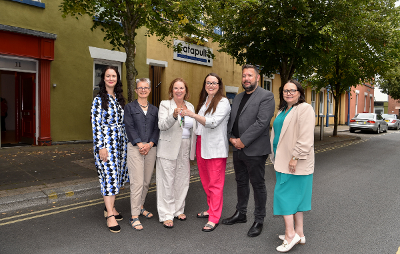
(175,144)
(292,140)
(212,145)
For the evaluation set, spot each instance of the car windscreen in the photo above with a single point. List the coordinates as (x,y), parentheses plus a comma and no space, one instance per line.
(387,116)
(365,116)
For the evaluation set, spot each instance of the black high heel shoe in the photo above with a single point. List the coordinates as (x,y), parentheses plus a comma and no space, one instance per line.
(117,217)
(114,229)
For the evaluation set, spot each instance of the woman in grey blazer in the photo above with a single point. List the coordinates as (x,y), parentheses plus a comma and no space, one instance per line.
(212,145)
(141,121)
(175,144)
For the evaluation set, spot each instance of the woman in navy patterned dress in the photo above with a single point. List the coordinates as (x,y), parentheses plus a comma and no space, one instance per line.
(109,142)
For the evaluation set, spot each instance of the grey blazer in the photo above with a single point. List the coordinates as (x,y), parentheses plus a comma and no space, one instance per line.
(141,127)
(254,121)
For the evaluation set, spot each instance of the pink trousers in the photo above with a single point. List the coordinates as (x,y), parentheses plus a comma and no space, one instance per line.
(212,175)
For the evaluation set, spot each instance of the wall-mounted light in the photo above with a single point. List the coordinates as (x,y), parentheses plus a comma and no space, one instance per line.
(54,85)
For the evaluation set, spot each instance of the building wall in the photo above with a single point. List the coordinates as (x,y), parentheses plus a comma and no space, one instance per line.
(72,68)
(357,103)
(192,73)
(393,106)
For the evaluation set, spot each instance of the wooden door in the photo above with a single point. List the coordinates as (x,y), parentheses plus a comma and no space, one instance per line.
(27,95)
(155,77)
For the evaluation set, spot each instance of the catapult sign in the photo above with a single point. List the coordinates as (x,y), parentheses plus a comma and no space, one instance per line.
(193,53)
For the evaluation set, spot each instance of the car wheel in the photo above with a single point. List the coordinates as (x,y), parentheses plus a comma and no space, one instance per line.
(397,127)
(351,130)
(378,130)
(386,130)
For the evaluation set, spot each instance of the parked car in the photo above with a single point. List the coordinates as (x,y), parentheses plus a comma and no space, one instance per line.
(392,120)
(368,121)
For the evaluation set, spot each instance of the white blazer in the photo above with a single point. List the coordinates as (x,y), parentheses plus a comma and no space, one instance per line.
(214,139)
(170,138)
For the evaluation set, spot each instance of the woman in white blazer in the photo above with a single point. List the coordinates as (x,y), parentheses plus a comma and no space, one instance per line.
(175,145)
(212,145)
(292,141)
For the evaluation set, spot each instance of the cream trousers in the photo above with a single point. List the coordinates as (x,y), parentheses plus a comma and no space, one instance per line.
(173,178)
(140,171)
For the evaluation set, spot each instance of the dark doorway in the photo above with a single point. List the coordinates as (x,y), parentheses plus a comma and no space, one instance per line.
(18,92)
(155,78)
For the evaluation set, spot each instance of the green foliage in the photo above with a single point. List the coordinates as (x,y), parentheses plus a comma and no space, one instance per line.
(390,84)
(280,36)
(120,19)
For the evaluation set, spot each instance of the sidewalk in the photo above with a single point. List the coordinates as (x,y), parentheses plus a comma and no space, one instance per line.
(33,175)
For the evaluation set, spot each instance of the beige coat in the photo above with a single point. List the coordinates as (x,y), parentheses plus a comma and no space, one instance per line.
(296,139)
(171,133)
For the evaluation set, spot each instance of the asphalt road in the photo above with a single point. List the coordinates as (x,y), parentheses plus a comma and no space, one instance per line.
(356,202)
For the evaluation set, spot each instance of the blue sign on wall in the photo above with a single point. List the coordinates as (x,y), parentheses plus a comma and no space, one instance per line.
(193,53)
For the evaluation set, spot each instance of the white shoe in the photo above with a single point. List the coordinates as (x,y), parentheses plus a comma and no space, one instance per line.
(285,247)
(302,239)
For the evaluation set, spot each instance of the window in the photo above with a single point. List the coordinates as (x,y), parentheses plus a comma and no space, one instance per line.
(98,68)
(321,103)
(356,103)
(370,103)
(331,104)
(365,103)
(267,84)
(313,99)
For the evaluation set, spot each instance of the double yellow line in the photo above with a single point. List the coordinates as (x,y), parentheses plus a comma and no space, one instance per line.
(78,205)
(93,202)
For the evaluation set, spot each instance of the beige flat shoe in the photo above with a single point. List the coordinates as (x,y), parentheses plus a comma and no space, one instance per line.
(302,239)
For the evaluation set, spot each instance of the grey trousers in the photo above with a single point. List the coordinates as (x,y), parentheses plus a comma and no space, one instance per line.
(140,169)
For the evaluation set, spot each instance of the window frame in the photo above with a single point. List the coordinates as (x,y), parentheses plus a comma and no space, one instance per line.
(96,76)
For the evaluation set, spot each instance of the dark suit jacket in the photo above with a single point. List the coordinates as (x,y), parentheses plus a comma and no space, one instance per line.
(253,122)
(140,127)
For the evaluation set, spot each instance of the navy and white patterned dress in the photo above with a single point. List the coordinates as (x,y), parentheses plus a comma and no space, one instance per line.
(109,132)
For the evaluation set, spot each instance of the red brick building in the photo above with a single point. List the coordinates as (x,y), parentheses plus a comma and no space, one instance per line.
(393,106)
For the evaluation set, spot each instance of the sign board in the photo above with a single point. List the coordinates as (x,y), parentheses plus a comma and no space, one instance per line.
(193,53)
(14,64)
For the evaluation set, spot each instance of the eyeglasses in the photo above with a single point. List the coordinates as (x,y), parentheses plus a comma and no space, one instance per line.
(290,91)
(208,83)
(143,88)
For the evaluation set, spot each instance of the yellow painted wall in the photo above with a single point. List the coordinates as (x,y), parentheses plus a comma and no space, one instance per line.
(276,83)
(193,74)
(72,68)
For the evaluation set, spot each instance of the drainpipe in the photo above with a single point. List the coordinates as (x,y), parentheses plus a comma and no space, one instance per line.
(348,107)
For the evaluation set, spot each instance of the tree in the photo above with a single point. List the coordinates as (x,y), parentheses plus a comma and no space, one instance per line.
(120,19)
(390,82)
(280,36)
(361,44)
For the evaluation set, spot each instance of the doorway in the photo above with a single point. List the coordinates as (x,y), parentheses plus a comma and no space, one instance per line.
(155,74)
(18,111)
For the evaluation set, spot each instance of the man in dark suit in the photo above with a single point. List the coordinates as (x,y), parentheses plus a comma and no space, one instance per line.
(248,132)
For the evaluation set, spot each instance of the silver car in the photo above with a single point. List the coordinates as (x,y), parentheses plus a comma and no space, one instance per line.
(392,120)
(368,121)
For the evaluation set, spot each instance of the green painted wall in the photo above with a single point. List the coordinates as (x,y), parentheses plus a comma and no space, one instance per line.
(72,68)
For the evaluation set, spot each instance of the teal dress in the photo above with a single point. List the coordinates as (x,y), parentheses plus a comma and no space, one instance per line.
(292,193)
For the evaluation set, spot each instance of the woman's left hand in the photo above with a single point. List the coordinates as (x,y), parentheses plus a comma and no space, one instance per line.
(144,150)
(292,166)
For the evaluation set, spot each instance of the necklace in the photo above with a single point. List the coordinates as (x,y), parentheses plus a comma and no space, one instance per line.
(144,106)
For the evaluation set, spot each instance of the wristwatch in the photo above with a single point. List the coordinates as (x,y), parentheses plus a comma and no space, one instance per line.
(294,158)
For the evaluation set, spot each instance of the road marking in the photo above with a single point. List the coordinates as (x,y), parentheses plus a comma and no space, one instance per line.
(70,207)
(93,202)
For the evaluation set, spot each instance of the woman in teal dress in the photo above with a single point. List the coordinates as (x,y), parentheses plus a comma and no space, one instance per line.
(292,140)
